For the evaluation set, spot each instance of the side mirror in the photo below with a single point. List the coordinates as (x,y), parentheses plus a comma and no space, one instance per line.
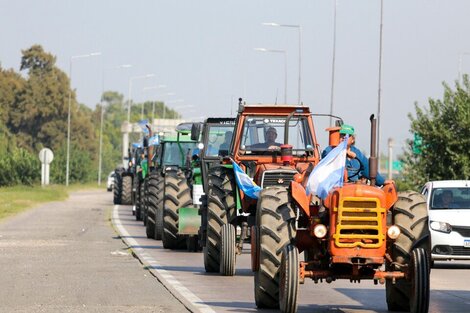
(195,131)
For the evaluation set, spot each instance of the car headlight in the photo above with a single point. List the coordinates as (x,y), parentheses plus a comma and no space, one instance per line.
(441,226)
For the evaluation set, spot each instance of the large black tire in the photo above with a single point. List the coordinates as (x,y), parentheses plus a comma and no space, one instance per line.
(126,196)
(143,202)
(117,189)
(177,195)
(276,222)
(138,202)
(155,186)
(221,209)
(227,250)
(410,215)
(289,279)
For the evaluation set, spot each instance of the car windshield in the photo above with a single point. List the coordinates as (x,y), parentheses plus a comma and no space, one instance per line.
(450,198)
(175,153)
(264,133)
(218,140)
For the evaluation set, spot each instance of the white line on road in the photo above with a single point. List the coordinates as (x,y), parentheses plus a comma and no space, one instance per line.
(192,302)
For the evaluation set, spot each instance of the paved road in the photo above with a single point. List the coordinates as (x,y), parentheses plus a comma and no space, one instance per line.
(184,273)
(66,257)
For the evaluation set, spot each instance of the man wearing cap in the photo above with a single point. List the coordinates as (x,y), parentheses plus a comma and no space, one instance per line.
(270,140)
(357,164)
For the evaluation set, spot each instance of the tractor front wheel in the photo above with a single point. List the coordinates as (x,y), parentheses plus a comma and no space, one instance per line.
(410,250)
(289,279)
(227,250)
(276,223)
(220,211)
(117,192)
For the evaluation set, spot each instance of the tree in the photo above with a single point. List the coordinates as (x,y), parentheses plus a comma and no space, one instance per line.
(444,132)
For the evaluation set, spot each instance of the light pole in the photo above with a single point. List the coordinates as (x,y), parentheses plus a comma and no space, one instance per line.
(102,116)
(380,80)
(177,107)
(69,106)
(299,28)
(125,137)
(285,66)
(332,93)
(153,102)
(461,55)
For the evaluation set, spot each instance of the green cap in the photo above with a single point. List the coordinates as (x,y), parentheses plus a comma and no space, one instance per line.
(346,129)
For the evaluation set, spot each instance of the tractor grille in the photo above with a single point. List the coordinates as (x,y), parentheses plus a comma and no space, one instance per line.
(277,178)
(462,230)
(359,224)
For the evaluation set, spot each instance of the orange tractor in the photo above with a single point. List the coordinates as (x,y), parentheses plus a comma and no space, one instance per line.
(359,231)
(259,148)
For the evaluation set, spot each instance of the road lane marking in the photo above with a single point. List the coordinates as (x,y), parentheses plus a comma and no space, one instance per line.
(189,299)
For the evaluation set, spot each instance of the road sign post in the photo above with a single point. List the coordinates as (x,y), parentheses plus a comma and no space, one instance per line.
(45,156)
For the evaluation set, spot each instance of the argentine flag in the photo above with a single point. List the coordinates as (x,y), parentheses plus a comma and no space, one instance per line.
(143,126)
(245,183)
(329,172)
(154,140)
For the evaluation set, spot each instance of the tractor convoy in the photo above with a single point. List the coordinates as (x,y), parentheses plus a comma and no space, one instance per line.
(245,183)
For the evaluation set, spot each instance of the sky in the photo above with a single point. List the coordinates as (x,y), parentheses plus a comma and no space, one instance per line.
(203,51)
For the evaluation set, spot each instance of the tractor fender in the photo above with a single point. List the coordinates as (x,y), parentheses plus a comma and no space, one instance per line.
(299,195)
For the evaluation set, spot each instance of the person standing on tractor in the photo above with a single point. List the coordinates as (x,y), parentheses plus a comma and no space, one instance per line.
(357,163)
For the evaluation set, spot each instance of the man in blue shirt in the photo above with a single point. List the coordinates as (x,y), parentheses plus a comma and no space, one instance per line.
(357,164)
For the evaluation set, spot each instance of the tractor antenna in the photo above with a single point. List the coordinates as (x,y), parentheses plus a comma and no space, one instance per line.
(373,150)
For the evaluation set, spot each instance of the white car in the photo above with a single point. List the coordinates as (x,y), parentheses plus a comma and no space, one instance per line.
(448,204)
(110,183)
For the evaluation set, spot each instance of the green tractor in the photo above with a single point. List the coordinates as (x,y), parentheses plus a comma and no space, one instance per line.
(215,135)
(124,180)
(173,184)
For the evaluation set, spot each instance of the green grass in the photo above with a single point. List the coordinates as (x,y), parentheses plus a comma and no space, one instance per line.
(14,200)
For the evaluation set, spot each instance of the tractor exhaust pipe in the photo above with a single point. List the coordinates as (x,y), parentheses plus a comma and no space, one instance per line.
(373,164)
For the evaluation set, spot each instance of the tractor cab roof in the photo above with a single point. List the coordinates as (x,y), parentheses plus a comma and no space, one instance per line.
(272,109)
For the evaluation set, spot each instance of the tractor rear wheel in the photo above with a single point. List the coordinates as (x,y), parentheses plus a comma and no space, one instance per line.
(126,195)
(410,214)
(117,192)
(177,195)
(221,209)
(143,202)
(227,250)
(289,279)
(276,222)
(138,202)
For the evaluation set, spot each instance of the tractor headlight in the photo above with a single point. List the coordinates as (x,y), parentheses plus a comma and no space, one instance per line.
(320,231)
(441,226)
(393,232)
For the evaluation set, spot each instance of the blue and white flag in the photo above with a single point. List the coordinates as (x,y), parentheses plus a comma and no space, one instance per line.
(245,183)
(329,173)
(143,126)
(154,140)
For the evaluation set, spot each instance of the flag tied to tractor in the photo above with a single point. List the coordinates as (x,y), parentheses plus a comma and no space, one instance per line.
(329,173)
(245,183)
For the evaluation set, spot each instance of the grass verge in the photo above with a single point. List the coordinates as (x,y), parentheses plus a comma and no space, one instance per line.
(14,200)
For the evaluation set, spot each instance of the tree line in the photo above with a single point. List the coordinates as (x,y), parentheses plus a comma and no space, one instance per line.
(33,115)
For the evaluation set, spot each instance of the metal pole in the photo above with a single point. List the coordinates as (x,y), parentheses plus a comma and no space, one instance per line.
(300,65)
(68,127)
(285,77)
(380,81)
(153,110)
(390,158)
(332,92)
(101,126)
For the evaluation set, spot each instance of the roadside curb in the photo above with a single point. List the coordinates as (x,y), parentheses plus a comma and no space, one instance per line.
(180,292)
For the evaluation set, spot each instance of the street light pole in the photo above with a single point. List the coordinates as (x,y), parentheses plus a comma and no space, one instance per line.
(153,102)
(333,65)
(299,27)
(380,80)
(67,167)
(102,117)
(285,67)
